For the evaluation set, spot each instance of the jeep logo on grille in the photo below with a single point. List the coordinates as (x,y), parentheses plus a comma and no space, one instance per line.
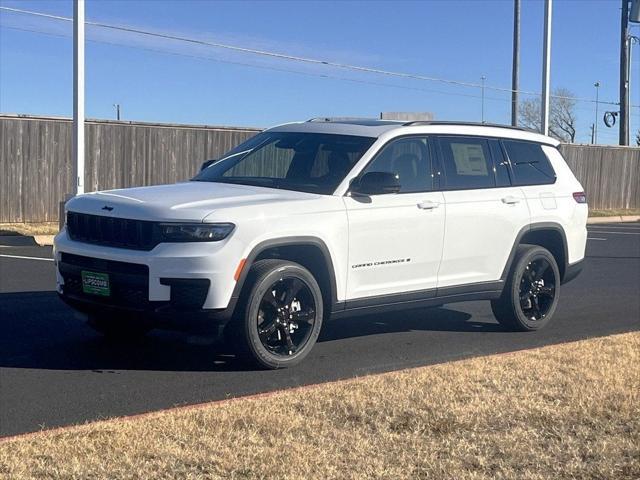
(107,208)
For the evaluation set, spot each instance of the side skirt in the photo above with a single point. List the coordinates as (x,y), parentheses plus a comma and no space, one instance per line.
(420,299)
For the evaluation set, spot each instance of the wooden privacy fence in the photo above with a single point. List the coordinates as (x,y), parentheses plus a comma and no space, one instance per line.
(36,169)
(36,166)
(610,175)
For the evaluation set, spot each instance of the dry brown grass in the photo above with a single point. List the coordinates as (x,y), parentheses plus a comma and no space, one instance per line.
(559,412)
(44,228)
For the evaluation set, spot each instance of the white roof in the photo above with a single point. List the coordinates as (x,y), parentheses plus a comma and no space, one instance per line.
(375,128)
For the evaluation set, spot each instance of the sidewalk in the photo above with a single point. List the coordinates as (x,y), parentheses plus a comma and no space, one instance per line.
(614,219)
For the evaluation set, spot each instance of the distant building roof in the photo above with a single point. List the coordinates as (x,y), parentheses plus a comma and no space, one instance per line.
(407,116)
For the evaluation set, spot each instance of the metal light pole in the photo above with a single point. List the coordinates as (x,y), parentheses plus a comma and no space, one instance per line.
(546,67)
(595,128)
(631,39)
(117,107)
(515,64)
(624,74)
(78,95)
(483,78)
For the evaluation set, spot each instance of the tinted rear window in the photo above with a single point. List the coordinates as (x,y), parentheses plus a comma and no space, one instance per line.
(467,163)
(529,164)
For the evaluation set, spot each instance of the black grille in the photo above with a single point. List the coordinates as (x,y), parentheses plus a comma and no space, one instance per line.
(101,265)
(112,232)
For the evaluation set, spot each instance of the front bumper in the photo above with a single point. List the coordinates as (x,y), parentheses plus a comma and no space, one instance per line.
(192,280)
(195,320)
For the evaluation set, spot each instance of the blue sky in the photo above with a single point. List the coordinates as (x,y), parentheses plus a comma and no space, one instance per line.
(168,81)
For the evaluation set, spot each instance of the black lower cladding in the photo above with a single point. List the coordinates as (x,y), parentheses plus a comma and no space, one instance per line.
(128,288)
(572,271)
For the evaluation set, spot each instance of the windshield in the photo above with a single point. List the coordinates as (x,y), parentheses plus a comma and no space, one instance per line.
(306,162)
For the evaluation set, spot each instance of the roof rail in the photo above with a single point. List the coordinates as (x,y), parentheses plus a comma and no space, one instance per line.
(470,124)
(339,119)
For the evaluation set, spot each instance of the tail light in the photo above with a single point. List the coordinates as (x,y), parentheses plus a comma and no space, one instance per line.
(580,197)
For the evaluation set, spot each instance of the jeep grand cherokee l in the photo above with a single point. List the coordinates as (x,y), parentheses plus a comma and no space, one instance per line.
(328,219)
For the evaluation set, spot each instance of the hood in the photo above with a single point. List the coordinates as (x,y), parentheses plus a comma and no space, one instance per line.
(189,201)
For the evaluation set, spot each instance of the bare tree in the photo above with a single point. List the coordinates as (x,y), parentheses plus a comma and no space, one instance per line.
(562,117)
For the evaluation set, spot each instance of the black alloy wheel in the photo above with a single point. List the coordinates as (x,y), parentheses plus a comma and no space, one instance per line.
(286,316)
(530,294)
(537,289)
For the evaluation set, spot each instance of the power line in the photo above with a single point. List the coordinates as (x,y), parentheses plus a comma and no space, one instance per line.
(263,67)
(295,58)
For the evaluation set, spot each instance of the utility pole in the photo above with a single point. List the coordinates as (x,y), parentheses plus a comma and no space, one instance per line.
(624,74)
(515,64)
(483,78)
(78,96)
(631,40)
(117,107)
(546,67)
(594,136)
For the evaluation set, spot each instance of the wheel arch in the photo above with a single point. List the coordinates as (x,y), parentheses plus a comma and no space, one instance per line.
(549,235)
(310,252)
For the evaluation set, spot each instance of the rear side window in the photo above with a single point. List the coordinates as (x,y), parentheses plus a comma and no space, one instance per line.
(529,164)
(467,163)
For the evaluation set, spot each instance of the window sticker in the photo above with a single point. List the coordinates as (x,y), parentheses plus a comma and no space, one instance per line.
(469,159)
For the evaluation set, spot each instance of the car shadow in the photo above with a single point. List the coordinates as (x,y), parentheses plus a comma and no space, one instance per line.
(443,319)
(9,238)
(38,331)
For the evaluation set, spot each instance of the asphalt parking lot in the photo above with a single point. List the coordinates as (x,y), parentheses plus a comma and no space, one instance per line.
(55,371)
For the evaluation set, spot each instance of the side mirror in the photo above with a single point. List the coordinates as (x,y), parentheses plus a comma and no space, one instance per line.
(376,183)
(206,164)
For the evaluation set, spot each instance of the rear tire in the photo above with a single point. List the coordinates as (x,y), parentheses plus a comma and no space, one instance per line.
(530,295)
(119,327)
(280,314)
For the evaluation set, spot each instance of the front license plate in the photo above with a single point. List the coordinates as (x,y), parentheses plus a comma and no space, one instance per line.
(95,283)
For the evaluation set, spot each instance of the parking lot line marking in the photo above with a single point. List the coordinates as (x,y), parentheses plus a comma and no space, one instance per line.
(27,258)
(617,233)
(594,238)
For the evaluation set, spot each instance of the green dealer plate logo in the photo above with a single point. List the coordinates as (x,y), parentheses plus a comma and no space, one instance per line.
(95,283)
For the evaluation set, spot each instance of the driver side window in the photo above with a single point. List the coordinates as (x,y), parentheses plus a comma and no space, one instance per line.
(409,159)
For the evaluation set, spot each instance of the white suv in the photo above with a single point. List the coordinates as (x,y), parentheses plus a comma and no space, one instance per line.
(331,218)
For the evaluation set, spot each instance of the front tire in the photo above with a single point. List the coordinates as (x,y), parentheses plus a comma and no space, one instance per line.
(280,315)
(530,295)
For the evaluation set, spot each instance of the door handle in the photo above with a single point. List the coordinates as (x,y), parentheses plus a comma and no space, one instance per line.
(428,205)
(510,200)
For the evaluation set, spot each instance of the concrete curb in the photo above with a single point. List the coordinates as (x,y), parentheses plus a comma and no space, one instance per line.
(614,219)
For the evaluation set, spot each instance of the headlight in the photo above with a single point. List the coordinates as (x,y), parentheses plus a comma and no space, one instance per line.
(195,232)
